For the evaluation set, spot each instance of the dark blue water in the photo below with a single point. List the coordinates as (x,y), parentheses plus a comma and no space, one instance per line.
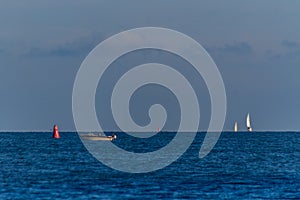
(241,166)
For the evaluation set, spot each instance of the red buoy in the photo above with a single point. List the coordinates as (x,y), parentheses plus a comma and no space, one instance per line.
(55,132)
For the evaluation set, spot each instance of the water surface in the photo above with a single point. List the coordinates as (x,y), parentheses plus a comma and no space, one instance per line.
(242,165)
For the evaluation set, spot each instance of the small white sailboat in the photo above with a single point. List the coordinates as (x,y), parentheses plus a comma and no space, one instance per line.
(235,127)
(249,128)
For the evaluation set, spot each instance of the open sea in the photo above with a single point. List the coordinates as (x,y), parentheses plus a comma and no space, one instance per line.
(263,165)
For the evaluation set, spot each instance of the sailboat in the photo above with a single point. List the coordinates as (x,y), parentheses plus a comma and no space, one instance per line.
(249,128)
(235,127)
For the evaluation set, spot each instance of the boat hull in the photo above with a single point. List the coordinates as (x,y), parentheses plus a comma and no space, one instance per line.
(97,138)
(94,137)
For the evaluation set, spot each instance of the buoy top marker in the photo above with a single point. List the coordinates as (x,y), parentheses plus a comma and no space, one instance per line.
(55,132)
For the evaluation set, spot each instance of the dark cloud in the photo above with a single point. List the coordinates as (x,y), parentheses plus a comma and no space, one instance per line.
(240,48)
(291,51)
(290,44)
(81,46)
(58,51)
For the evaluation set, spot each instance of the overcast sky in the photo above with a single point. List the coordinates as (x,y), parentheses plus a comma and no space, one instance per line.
(255,44)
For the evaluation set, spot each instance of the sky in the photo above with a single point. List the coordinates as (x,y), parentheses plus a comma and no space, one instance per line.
(255,45)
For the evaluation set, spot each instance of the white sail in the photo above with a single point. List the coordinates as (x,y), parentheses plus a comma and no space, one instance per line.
(235,127)
(248,123)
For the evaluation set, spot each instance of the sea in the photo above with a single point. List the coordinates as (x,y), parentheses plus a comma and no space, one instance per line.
(257,165)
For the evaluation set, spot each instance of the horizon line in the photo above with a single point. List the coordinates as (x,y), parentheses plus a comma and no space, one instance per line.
(118,131)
